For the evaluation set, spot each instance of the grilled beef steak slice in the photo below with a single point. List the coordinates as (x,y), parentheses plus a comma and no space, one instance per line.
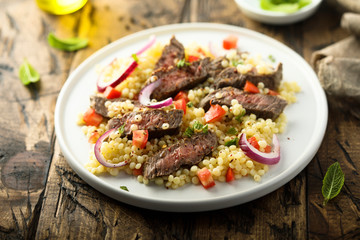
(231,77)
(175,79)
(215,67)
(98,104)
(171,53)
(151,120)
(263,106)
(186,152)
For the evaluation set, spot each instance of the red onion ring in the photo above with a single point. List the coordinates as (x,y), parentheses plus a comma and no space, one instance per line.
(266,158)
(100,157)
(145,93)
(102,85)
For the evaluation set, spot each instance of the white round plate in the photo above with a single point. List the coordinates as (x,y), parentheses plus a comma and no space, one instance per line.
(252,9)
(307,121)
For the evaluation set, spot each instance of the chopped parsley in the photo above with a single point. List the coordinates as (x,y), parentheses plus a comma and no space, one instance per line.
(190,104)
(195,128)
(182,63)
(122,129)
(271,57)
(237,62)
(239,117)
(124,188)
(232,142)
(135,57)
(232,130)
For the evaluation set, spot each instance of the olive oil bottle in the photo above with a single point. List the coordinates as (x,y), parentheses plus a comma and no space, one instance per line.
(60,7)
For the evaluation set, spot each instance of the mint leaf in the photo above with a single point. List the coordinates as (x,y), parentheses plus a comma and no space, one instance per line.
(68,44)
(333,182)
(232,142)
(28,74)
(232,131)
(121,129)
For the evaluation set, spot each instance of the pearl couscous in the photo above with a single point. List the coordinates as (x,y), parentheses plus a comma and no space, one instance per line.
(117,149)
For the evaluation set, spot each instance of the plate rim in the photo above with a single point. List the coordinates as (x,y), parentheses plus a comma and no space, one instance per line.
(184,205)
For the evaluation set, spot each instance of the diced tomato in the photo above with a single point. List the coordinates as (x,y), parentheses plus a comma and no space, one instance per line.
(137,172)
(250,87)
(192,58)
(180,104)
(205,178)
(254,142)
(111,93)
(230,42)
(91,118)
(201,51)
(267,149)
(215,113)
(94,136)
(230,175)
(181,95)
(140,138)
(272,92)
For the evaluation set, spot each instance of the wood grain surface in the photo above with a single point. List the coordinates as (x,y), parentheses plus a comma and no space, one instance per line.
(43,198)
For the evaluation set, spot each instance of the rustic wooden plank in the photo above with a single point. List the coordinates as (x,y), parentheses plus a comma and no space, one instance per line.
(26,122)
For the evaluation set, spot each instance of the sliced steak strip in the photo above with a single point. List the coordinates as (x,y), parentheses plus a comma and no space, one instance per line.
(151,120)
(215,67)
(171,53)
(186,152)
(98,104)
(175,79)
(263,106)
(231,77)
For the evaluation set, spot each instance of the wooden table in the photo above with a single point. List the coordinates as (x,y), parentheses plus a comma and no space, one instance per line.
(42,197)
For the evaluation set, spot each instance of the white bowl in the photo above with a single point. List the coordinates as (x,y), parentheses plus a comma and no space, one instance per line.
(252,9)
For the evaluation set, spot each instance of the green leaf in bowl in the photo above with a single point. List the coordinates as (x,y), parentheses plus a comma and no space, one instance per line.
(68,44)
(28,74)
(285,6)
(333,182)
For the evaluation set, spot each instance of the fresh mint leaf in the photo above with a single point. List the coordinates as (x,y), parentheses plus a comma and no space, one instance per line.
(333,182)
(190,104)
(28,74)
(68,44)
(189,132)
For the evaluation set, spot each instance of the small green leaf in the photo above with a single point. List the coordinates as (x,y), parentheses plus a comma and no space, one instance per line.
(333,182)
(239,117)
(122,129)
(197,125)
(272,59)
(124,188)
(190,104)
(232,131)
(205,129)
(232,142)
(135,57)
(28,74)
(189,132)
(181,63)
(68,44)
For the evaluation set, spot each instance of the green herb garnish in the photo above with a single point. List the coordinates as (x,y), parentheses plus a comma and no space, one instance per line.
(124,188)
(196,127)
(189,132)
(237,62)
(238,117)
(272,59)
(68,44)
(181,63)
(333,182)
(232,130)
(28,74)
(232,142)
(121,129)
(190,104)
(135,57)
